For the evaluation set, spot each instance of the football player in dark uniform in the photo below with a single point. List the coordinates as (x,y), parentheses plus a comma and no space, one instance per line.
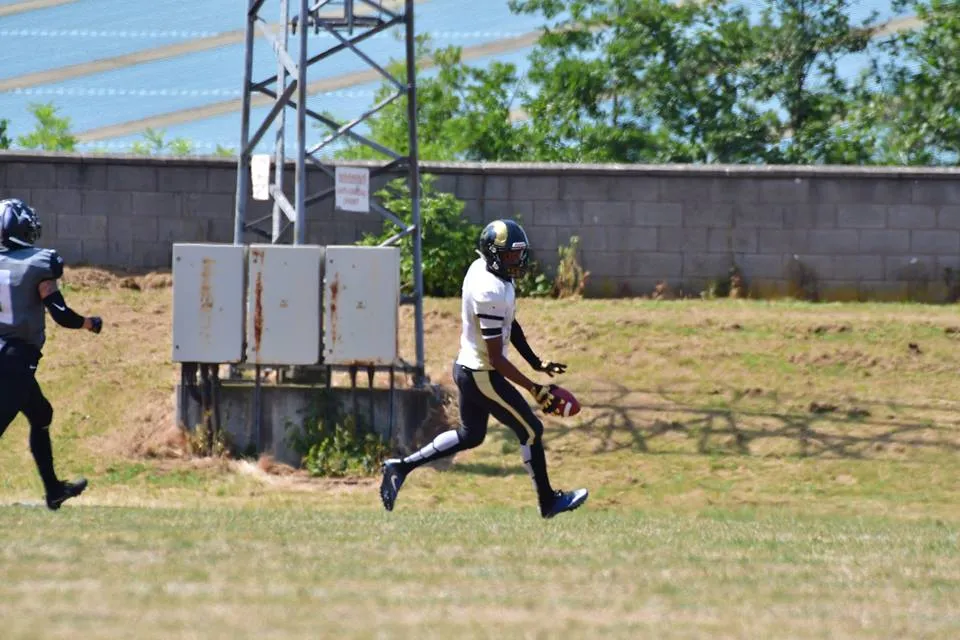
(28,283)
(484,373)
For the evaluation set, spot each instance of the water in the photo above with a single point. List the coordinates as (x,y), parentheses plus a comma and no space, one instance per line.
(90,30)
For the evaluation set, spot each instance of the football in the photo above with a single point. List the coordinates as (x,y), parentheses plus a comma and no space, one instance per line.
(568,403)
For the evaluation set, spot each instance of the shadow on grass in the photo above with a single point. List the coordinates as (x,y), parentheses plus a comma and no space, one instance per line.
(490,470)
(823,430)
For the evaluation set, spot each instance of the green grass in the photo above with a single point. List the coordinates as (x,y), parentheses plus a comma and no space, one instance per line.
(756,470)
(478,572)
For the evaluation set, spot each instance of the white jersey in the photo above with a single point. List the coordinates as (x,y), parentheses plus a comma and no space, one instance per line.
(488,308)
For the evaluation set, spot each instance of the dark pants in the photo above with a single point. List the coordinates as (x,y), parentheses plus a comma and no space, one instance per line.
(486,393)
(20,393)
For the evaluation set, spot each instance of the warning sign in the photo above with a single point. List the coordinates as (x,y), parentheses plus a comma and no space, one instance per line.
(353,189)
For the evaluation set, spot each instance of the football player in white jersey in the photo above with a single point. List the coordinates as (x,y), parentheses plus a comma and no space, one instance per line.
(482,371)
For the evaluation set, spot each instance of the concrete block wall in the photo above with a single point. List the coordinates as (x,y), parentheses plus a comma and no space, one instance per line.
(862,232)
(125,212)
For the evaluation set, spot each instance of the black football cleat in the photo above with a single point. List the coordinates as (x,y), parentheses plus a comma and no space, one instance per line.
(565,501)
(64,492)
(393,479)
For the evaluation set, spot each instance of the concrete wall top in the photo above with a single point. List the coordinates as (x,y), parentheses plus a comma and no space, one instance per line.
(546,168)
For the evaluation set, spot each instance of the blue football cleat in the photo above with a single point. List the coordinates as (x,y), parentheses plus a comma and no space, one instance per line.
(393,479)
(565,501)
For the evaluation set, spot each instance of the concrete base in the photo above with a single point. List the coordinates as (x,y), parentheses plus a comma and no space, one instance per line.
(398,417)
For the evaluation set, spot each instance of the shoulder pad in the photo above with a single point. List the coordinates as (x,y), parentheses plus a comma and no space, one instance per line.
(490,290)
(53,262)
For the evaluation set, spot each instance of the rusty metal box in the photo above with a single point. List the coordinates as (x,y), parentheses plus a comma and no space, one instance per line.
(361,297)
(283,304)
(208,303)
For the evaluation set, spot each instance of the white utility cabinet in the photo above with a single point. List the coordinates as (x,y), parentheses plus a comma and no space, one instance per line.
(208,303)
(361,299)
(283,304)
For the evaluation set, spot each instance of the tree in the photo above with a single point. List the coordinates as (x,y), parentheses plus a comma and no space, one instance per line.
(662,81)
(643,81)
(916,113)
(799,45)
(464,113)
(180,147)
(52,132)
(4,140)
(154,143)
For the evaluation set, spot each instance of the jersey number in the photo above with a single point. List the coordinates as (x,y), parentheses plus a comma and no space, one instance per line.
(6,306)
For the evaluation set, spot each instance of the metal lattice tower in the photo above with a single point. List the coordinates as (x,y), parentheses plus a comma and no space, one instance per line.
(349,23)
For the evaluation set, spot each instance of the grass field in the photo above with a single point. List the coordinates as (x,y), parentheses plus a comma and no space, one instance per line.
(756,470)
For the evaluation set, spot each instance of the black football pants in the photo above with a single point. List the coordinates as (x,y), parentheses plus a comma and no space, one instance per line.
(484,394)
(20,393)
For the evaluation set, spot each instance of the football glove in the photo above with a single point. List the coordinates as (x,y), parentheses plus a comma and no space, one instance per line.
(96,324)
(548,402)
(551,368)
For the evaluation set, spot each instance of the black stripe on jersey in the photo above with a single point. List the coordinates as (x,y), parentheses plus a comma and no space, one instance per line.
(491,333)
(487,316)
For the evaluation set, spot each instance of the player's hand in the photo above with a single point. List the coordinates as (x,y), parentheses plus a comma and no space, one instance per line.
(94,324)
(552,368)
(548,402)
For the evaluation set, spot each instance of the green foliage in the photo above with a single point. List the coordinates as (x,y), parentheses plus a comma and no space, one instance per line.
(204,441)
(336,445)
(225,152)
(534,283)
(180,147)
(4,140)
(448,238)
(152,143)
(659,81)
(52,132)
(464,112)
(344,452)
(652,81)
(155,143)
(800,43)
(916,114)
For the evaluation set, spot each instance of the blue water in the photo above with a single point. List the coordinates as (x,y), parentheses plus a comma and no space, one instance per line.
(94,29)
(224,130)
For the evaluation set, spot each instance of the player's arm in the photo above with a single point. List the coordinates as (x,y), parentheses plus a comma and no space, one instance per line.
(519,342)
(543,394)
(490,316)
(62,314)
(503,365)
(490,313)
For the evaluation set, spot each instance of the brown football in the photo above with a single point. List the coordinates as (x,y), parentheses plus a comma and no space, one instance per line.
(568,403)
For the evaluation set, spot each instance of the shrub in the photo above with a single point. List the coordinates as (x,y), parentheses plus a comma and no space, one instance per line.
(449,240)
(571,278)
(534,283)
(332,444)
(729,286)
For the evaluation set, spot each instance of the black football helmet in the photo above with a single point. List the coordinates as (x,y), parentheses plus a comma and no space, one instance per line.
(505,247)
(19,224)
